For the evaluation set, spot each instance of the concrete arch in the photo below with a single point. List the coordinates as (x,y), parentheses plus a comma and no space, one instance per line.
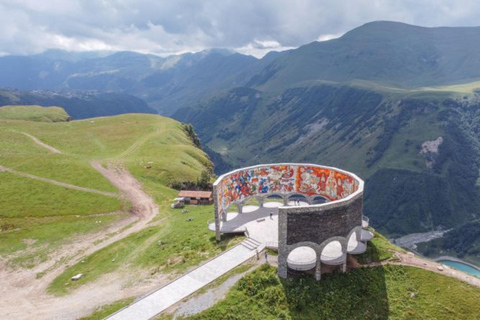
(303,259)
(356,245)
(299,196)
(343,245)
(274,194)
(314,198)
(358,231)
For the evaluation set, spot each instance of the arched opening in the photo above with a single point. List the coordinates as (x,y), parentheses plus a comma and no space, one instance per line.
(355,246)
(250,207)
(273,201)
(231,213)
(302,259)
(252,202)
(319,200)
(332,253)
(297,200)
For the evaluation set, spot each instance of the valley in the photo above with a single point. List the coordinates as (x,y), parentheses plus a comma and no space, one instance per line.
(90,164)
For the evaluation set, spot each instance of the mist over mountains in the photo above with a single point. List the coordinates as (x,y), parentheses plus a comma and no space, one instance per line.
(395,103)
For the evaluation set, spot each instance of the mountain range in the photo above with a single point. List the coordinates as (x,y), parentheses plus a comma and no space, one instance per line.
(395,103)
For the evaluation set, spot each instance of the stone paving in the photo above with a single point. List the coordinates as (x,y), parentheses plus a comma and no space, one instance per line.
(184,286)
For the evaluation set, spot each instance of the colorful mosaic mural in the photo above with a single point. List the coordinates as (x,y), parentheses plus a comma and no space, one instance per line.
(325,182)
(284,179)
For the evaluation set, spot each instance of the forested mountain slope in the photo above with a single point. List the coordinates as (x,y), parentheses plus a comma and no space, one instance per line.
(395,103)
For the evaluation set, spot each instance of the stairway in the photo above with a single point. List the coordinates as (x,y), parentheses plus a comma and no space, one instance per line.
(251,244)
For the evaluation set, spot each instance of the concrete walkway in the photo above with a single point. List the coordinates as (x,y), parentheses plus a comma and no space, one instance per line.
(184,286)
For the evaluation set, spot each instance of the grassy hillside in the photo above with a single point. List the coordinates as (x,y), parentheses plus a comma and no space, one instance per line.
(34,113)
(169,248)
(40,215)
(382,292)
(369,293)
(78,104)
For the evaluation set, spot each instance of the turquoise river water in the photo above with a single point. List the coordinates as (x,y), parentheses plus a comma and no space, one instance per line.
(461,266)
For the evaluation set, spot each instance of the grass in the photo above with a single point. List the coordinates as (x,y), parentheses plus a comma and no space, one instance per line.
(34,113)
(172,247)
(24,197)
(243,268)
(42,236)
(156,150)
(104,311)
(393,292)
(378,249)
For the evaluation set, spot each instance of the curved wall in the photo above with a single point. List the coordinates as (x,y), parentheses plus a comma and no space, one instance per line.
(314,226)
(284,178)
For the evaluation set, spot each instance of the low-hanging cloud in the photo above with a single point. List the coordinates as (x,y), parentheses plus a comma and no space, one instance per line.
(169,27)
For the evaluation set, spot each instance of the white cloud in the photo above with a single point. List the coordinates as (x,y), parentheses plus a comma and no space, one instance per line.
(326,37)
(165,27)
(259,48)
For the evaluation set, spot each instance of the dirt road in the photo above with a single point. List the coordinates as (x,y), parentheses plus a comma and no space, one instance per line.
(25,297)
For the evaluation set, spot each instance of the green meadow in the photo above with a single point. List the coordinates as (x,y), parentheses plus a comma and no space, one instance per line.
(40,216)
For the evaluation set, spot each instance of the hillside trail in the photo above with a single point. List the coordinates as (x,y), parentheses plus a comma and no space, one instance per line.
(25,297)
(42,144)
(59,183)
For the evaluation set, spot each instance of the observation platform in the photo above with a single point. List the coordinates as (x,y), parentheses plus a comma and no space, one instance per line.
(257,224)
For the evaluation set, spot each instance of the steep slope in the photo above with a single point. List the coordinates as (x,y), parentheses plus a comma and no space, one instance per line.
(417,149)
(392,102)
(462,242)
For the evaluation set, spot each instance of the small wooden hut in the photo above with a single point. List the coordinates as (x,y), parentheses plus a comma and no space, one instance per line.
(196,197)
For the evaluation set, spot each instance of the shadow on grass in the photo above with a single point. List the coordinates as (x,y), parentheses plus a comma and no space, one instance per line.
(360,293)
(373,254)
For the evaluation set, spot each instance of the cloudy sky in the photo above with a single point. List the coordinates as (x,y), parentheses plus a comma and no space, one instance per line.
(178,26)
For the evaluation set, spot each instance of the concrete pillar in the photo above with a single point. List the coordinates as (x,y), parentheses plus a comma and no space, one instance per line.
(309,200)
(282,244)
(217,218)
(318,270)
(358,234)
(260,200)
(282,270)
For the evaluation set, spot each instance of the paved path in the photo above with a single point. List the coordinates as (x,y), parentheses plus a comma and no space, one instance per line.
(184,286)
